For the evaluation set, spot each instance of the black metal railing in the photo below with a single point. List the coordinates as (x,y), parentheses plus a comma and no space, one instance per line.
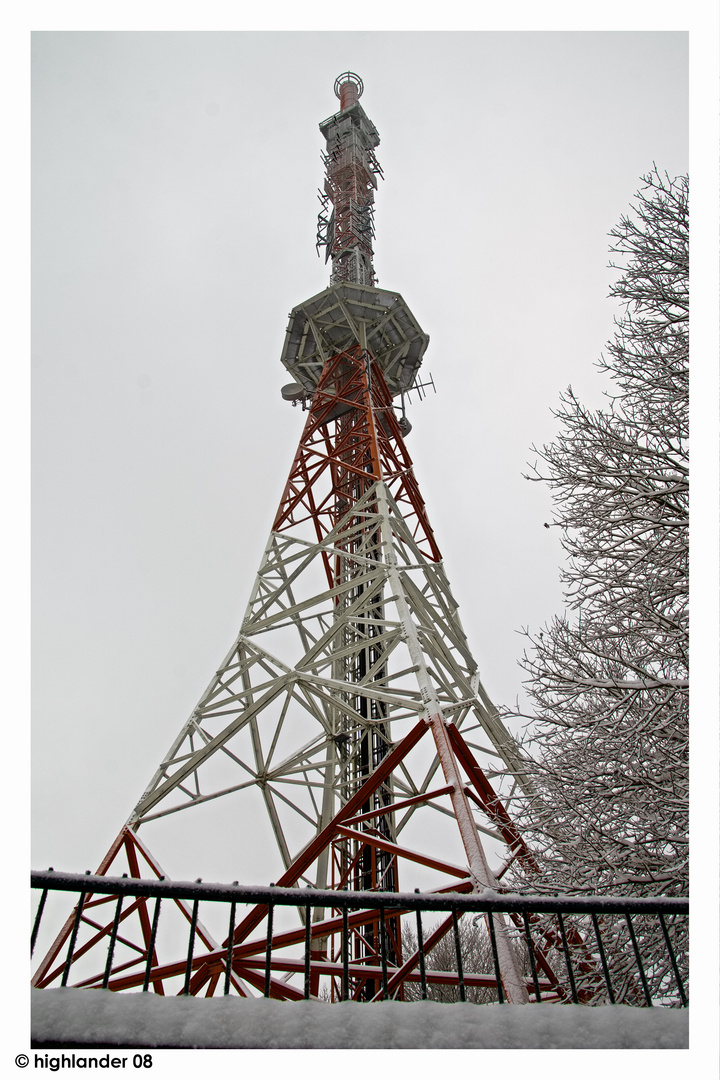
(587,950)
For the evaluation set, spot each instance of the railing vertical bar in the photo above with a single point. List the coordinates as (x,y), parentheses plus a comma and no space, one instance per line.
(671,953)
(307,952)
(111,943)
(566,950)
(631,928)
(496,960)
(606,971)
(73,937)
(458,955)
(268,948)
(421,955)
(531,954)
(228,954)
(345,946)
(383,953)
(151,943)
(191,947)
(36,924)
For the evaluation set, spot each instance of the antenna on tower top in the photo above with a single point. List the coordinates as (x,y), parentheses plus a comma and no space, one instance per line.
(345,222)
(348,87)
(353,311)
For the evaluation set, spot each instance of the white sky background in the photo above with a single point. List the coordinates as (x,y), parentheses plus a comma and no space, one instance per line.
(174,214)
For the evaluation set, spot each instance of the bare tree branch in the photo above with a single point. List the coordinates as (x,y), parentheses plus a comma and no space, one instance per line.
(608,679)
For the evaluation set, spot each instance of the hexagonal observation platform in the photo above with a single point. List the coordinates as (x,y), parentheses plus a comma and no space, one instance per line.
(345,315)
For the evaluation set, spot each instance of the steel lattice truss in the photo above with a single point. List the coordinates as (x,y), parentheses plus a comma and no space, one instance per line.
(347,723)
(307,629)
(350,699)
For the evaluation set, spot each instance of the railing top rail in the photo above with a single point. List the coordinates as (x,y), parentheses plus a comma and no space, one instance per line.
(446,901)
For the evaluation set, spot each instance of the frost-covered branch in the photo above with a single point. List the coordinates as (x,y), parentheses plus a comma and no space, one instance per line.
(608,678)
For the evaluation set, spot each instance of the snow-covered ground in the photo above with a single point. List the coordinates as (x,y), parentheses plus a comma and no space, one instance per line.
(105,1019)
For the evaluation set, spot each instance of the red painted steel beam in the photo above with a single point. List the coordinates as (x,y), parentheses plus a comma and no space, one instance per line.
(393,807)
(380,842)
(489,800)
(313,849)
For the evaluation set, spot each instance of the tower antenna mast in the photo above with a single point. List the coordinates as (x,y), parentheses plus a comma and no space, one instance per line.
(351,178)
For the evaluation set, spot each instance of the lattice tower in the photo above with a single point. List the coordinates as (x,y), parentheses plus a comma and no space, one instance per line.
(347,723)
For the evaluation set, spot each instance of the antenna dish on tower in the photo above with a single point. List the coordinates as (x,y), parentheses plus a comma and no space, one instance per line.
(293,392)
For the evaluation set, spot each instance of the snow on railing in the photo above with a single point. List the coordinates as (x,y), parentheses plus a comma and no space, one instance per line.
(584,949)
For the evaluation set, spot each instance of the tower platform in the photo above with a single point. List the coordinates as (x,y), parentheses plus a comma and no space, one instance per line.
(347,315)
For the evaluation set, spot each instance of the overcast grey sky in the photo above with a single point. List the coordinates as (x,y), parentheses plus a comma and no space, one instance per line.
(174,210)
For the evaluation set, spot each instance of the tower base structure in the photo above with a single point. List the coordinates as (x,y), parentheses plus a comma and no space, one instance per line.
(349,706)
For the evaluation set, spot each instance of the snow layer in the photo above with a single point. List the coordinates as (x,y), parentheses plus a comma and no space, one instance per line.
(105,1019)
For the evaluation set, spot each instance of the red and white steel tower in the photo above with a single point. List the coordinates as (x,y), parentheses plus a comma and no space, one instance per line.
(347,722)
